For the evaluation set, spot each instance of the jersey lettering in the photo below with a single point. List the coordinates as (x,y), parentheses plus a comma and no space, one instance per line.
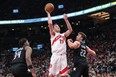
(83,53)
(18,53)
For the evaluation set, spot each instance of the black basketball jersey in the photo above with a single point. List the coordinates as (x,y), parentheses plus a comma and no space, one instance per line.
(79,54)
(20,56)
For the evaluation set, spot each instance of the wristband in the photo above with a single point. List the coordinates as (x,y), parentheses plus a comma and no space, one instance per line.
(30,67)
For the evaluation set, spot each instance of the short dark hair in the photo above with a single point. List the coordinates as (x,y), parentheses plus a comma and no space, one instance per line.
(83,35)
(22,41)
(55,24)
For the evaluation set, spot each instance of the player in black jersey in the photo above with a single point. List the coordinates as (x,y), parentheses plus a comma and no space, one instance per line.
(22,61)
(79,55)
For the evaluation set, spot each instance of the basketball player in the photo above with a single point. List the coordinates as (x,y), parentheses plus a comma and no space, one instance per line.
(58,62)
(22,60)
(79,55)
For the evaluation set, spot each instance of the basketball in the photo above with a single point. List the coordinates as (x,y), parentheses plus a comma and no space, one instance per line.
(49,7)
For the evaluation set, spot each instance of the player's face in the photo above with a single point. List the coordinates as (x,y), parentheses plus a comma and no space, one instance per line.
(27,43)
(79,37)
(56,28)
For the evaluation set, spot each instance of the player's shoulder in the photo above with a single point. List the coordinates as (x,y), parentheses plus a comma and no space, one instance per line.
(55,35)
(52,35)
(62,33)
(27,47)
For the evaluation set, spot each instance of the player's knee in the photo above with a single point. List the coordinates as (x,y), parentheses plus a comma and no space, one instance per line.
(51,75)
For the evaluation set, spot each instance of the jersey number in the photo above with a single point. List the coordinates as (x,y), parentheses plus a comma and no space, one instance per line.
(61,41)
(82,53)
(17,54)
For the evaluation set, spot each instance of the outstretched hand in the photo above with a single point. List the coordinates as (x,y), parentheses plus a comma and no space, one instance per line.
(65,17)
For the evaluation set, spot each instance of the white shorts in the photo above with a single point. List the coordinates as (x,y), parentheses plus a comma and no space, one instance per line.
(58,65)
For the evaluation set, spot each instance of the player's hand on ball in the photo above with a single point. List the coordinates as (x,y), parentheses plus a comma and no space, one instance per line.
(46,11)
(65,17)
(49,7)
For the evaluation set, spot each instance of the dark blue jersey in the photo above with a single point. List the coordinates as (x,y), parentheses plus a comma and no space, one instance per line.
(79,54)
(20,56)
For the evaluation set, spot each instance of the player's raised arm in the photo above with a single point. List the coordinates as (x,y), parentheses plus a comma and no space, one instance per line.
(50,24)
(69,31)
(90,51)
(73,45)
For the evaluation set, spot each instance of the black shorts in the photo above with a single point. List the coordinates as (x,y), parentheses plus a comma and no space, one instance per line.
(20,70)
(80,69)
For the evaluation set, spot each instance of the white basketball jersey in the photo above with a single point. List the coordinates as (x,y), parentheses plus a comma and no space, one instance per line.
(58,44)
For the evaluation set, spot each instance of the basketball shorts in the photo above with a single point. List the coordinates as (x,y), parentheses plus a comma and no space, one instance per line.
(20,70)
(58,65)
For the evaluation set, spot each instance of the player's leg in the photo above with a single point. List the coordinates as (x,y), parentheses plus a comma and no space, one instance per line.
(54,66)
(64,66)
(29,74)
(19,70)
(86,71)
(51,69)
(15,70)
(77,70)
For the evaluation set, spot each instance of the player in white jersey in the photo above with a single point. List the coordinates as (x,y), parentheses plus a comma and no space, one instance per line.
(58,44)
(58,62)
